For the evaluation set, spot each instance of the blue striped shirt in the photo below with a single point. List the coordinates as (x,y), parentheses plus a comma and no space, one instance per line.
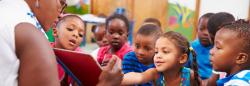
(130,63)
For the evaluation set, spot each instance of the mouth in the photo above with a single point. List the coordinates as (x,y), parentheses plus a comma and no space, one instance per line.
(139,58)
(72,42)
(115,43)
(158,63)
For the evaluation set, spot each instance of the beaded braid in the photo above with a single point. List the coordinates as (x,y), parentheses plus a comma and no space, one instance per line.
(195,67)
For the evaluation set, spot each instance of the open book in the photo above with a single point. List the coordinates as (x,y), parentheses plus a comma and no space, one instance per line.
(82,67)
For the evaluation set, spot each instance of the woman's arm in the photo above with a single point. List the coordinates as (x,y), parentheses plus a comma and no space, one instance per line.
(133,78)
(37,60)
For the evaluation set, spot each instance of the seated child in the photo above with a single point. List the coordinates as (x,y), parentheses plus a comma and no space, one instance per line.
(202,46)
(231,53)
(141,58)
(99,32)
(213,25)
(171,53)
(68,35)
(117,34)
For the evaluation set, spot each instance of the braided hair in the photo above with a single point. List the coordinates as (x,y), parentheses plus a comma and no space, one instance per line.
(184,47)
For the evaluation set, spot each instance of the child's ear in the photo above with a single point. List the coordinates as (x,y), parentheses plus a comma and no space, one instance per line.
(242,58)
(55,32)
(183,58)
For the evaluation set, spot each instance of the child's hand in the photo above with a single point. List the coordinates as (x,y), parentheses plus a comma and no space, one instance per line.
(112,73)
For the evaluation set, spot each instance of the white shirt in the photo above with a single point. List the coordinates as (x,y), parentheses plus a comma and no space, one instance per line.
(12,13)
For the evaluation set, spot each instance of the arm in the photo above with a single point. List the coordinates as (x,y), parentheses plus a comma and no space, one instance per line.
(193,81)
(37,60)
(212,80)
(132,78)
(112,73)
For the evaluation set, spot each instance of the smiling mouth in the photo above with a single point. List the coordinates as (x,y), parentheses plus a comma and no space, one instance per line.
(158,63)
(115,43)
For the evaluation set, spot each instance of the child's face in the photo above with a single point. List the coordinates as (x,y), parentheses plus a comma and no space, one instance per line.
(144,48)
(117,33)
(203,34)
(166,55)
(225,50)
(70,33)
(100,36)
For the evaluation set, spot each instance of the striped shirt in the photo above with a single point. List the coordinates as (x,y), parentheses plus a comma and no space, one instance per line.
(239,79)
(130,63)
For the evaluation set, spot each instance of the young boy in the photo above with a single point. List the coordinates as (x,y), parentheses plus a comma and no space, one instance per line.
(213,25)
(144,49)
(202,45)
(231,54)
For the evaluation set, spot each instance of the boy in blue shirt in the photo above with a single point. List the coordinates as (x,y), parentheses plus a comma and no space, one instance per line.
(231,53)
(144,49)
(202,45)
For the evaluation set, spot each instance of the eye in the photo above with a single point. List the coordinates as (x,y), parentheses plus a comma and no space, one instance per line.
(69,29)
(147,48)
(80,34)
(120,33)
(110,32)
(156,52)
(137,46)
(166,52)
(217,47)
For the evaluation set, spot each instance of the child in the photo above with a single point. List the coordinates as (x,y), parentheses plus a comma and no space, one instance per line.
(202,45)
(99,32)
(218,19)
(117,33)
(142,58)
(213,25)
(231,53)
(68,35)
(171,53)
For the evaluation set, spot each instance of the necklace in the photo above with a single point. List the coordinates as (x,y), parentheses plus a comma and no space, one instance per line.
(163,80)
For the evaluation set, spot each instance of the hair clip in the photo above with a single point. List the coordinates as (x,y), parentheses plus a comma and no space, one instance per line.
(191,48)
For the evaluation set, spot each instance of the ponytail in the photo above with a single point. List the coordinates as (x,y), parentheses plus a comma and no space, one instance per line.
(195,67)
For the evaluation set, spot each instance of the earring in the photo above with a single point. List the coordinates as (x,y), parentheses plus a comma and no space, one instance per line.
(37,4)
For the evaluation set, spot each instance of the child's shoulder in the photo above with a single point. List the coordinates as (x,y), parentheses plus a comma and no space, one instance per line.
(241,78)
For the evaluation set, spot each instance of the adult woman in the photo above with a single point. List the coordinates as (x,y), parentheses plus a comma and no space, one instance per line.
(26,57)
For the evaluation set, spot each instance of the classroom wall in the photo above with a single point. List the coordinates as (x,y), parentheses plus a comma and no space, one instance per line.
(239,8)
(137,10)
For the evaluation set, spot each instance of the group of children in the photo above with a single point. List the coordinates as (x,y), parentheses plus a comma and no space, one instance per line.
(161,59)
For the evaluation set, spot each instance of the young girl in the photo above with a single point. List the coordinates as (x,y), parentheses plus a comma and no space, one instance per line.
(144,43)
(171,53)
(117,33)
(68,35)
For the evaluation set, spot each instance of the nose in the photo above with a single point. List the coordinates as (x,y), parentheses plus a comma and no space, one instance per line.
(75,34)
(140,52)
(116,35)
(211,51)
(157,56)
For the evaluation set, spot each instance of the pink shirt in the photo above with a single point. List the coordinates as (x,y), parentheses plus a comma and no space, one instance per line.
(120,53)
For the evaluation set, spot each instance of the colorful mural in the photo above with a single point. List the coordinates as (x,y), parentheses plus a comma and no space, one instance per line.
(180,18)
